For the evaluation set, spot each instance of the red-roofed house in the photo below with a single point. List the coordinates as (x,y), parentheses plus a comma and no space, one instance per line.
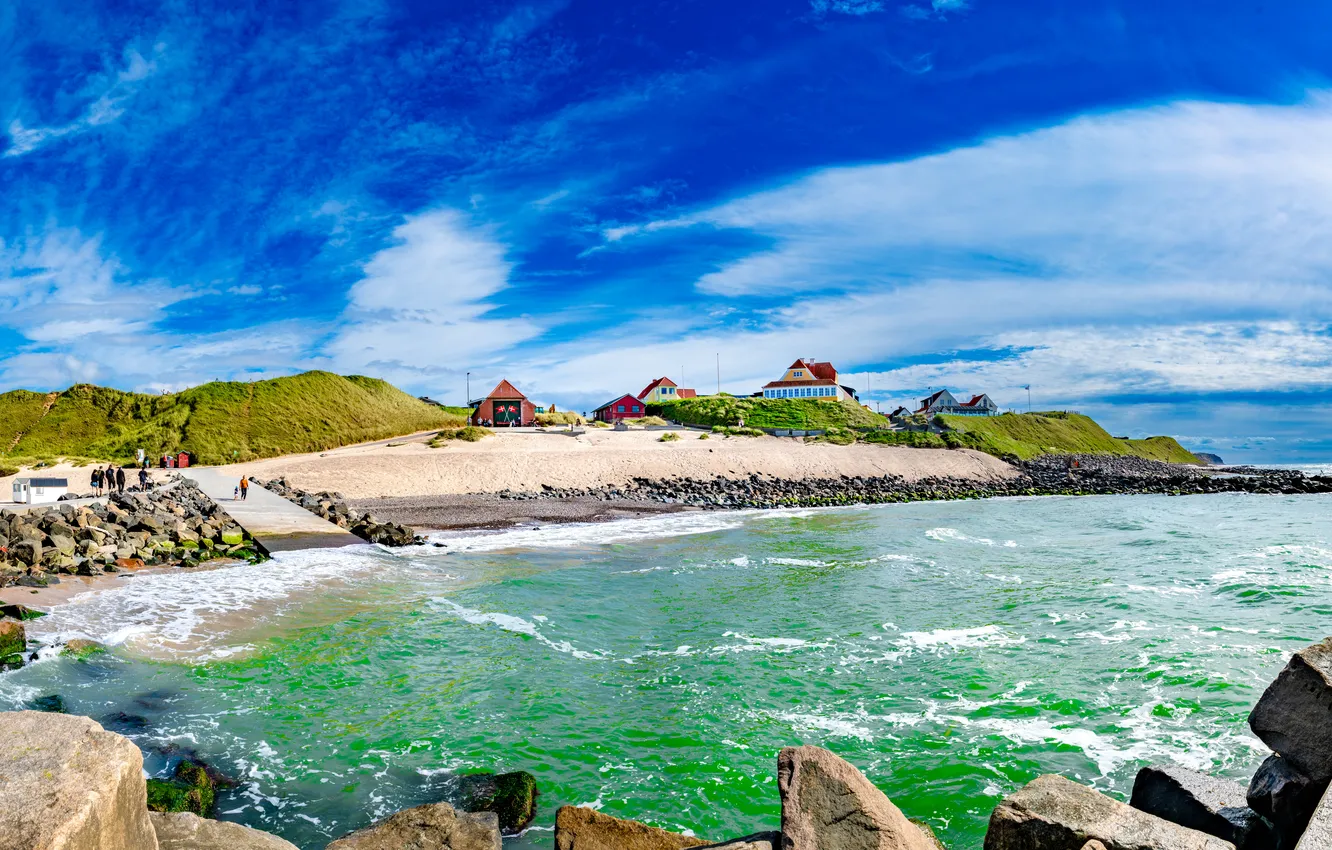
(945,402)
(504,406)
(664,389)
(624,407)
(809,379)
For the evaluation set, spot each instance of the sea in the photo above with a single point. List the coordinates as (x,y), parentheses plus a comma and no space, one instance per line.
(653,668)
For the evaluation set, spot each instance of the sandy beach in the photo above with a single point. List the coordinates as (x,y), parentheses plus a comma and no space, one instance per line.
(525,461)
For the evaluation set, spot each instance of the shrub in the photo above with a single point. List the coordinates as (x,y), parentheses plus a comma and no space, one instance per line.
(6,471)
(600,424)
(650,420)
(668,437)
(704,436)
(562,417)
(470,434)
(836,436)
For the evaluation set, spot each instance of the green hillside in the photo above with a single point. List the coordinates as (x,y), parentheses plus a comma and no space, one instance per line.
(799,413)
(1030,434)
(217,422)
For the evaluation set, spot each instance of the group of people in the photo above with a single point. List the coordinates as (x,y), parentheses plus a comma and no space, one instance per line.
(242,489)
(111,479)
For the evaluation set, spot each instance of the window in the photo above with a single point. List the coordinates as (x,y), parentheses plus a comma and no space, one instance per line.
(635,408)
(619,408)
(797,374)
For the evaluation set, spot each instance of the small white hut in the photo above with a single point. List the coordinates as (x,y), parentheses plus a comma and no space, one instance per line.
(39,491)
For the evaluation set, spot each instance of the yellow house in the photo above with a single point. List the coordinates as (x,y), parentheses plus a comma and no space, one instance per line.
(663,390)
(809,379)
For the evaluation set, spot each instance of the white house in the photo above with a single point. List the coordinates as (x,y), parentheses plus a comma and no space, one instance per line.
(945,402)
(39,491)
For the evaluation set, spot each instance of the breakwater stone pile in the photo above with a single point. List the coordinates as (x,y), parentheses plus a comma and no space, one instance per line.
(1057,475)
(67,783)
(175,525)
(333,507)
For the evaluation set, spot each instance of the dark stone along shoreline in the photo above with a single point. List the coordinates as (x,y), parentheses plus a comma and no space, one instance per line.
(1054,475)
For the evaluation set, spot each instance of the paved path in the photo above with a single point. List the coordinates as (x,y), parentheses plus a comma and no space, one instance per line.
(276,524)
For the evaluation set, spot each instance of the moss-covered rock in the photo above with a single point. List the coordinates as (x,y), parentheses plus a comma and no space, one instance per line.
(52,704)
(13,638)
(20,612)
(511,796)
(190,790)
(81,650)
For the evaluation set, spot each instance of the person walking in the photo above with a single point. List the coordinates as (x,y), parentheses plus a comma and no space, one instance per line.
(245,487)
(120,478)
(97,481)
(143,479)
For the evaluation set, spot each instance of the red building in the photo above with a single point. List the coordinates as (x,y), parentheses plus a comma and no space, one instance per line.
(505,406)
(624,407)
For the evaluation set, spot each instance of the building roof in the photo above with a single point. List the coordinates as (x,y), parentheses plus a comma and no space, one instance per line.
(684,393)
(820,369)
(43,482)
(505,390)
(932,399)
(617,400)
(975,400)
(657,383)
(814,383)
(899,411)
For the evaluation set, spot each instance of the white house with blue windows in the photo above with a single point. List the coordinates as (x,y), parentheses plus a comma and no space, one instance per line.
(809,379)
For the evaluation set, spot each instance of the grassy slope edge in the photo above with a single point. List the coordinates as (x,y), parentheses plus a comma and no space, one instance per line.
(1029,435)
(218,422)
(799,413)
(1025,435)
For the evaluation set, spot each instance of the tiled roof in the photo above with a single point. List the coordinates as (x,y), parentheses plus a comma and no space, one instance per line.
(683,393)
(504,389)
(657,383)
(617,400)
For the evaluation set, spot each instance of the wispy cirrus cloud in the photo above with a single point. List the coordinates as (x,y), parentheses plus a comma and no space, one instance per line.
(109,93)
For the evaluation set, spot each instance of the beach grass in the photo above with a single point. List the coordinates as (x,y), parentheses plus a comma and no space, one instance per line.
(1029,435)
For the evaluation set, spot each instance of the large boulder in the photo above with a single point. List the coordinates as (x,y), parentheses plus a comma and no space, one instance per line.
(432,827)
(577,828)
(68,784)
(1292,716)
(1286,797)
(1318,835)
(1205,803)
(829,805)
(185,831)
(1054,813)
(511,796)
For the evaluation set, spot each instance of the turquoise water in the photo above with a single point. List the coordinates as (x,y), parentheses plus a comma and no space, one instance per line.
(953,651)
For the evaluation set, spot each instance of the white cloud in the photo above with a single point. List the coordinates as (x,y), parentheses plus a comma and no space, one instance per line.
(1192,192)
(59,288)
(1081,364)
(112,91)
(846,7)
(421,309)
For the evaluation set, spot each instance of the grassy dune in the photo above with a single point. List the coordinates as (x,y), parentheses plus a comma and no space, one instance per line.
(799,413)
(217,422)
(1028,435)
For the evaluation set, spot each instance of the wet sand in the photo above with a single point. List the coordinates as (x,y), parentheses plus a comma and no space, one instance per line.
(485,510)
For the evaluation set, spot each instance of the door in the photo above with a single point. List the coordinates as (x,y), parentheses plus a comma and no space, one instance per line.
(508,412)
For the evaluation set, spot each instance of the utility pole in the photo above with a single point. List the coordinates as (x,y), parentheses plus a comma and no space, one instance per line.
(718,373)
(1027,387)
(467,402)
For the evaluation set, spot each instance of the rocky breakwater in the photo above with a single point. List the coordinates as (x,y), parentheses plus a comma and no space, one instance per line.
(1056,475)
(177,524)
(333,507)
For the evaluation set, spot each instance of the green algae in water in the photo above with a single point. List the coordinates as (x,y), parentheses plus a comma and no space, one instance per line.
(952,651)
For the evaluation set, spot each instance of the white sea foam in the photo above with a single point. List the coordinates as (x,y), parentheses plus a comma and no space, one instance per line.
(581,534)
(795,562)
(975,638)
(946,534)
(844,725)
(517,625)
(177,613)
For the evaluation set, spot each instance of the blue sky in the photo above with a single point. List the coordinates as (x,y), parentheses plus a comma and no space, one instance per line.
(1125,205)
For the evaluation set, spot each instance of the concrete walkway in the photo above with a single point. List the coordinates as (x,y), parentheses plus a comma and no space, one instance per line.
(276,524)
